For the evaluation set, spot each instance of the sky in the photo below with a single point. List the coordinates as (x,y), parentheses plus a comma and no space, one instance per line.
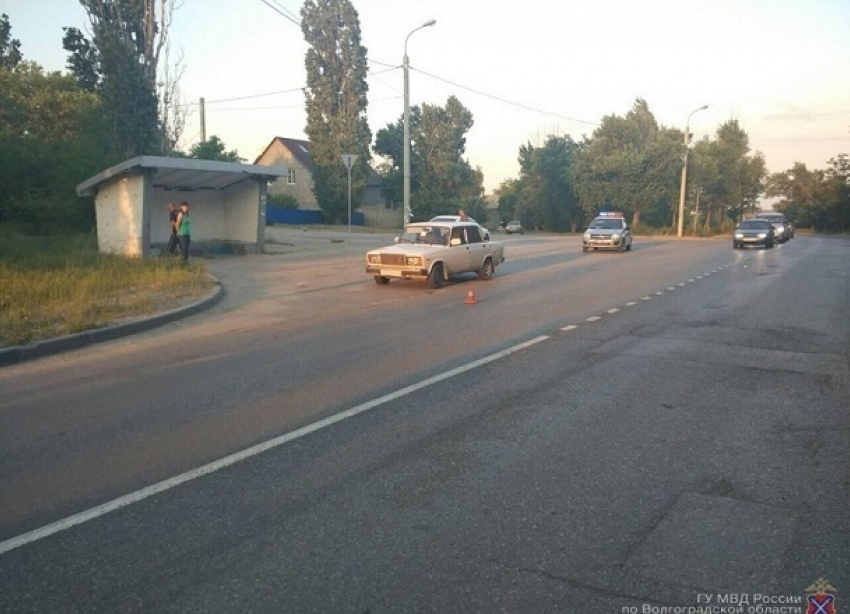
(525,71)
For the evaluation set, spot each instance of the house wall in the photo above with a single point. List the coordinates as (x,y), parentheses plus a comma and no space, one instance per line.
(278,155)
(119,206)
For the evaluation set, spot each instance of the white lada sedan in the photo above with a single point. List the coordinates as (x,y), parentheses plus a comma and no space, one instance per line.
(435,252)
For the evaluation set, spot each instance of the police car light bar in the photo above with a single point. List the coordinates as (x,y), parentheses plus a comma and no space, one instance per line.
(610,214)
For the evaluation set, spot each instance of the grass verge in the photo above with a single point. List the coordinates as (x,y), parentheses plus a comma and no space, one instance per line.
(52,286)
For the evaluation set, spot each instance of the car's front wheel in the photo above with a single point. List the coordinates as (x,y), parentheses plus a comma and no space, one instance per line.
(381,280)
(486,271)
(435,279)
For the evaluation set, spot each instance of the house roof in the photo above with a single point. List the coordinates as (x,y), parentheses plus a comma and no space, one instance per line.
(301,152)
(184,174)
(299,149)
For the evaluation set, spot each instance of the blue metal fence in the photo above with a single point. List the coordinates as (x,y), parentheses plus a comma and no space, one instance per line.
(299,217)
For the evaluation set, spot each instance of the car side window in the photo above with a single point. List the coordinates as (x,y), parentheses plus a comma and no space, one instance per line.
(474,234)
(457,235)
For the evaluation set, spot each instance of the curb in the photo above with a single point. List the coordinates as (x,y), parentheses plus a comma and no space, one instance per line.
(47,347)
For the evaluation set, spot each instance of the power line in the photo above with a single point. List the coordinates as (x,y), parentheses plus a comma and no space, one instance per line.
(279,92)
(286,10)
(289,106)
(281,12)
(504,100)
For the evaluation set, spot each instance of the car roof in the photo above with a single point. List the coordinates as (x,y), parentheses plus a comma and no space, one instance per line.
(446,223)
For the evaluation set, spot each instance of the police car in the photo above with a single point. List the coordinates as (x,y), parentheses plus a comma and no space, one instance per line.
(608,230)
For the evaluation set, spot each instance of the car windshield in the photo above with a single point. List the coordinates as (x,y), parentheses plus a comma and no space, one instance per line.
(427,235)
(605,224)
(754,225)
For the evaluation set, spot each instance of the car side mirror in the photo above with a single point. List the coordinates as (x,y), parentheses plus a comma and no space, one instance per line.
(395,241)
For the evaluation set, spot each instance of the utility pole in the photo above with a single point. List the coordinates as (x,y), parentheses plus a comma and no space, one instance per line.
(687,139)
(406,170)
(203,122)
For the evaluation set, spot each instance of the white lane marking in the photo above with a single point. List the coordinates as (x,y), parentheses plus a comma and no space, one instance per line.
(659,293)
(593,318)
(154,489)
(631,304)
(569,327)
(681,284)
(690,281)
(646,298)
(670,289)
(614,310)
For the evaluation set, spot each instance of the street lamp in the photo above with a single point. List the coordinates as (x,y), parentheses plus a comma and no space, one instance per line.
(406,212)
(685,170)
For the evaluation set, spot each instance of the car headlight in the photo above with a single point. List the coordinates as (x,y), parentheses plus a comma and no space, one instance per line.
(587,236)
(374,258)
(739,235)
(762,235)
(615,236)
(414,260)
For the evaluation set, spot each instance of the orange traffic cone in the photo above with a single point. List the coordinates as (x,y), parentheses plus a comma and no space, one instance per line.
(470,297)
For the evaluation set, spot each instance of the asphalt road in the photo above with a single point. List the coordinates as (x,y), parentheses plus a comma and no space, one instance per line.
(600,432)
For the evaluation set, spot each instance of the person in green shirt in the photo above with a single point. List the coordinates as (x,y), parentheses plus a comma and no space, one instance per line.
(184,229)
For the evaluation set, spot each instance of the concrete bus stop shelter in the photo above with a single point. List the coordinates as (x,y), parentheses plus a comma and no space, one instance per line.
(227,202)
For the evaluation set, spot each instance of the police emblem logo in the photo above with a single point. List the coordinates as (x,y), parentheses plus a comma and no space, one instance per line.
(820,598)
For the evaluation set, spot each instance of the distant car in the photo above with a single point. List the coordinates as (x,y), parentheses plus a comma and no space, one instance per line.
(782,230)
(755,231)
(514,228)
(608,230)
(456,218)
(434,252)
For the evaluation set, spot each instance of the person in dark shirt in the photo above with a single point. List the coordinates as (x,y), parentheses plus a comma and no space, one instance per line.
(173,241)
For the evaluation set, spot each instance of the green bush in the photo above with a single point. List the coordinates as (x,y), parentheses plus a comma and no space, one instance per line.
(284,201)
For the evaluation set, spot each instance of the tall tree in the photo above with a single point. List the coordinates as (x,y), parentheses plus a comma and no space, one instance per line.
(51,139)
(629,164)
(546,184)
(731,177)
(446,182)
(121,62)
(818,199)
(10,48)
(442,180)
(336,102)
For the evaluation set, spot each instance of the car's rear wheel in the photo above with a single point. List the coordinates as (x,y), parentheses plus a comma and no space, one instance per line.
(381,280)
(435,279)
(629,247)
(486,270)
(584,249)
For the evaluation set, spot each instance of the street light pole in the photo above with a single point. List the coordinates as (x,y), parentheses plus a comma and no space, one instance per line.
(406,212)
(685,171)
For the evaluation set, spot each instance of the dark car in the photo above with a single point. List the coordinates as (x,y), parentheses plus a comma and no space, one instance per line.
(753,232)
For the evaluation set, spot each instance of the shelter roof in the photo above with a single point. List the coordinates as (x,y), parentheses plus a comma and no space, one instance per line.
(183,174)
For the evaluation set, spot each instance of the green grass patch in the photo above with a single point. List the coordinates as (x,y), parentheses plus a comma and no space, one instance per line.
(57,285)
